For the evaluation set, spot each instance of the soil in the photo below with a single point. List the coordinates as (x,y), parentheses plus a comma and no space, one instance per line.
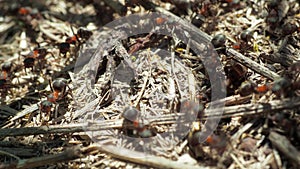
(150,84)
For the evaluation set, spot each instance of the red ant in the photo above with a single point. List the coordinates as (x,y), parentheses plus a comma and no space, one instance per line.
(82,34)
(58,88)
(280,86)
(37,54)
(5,83)
(195,137)
(244,41)
(204,8)
(24,11)
(218,142)
(140,43)
(132,118)
(5,69)
(27,14)
(45,106)
(160,20)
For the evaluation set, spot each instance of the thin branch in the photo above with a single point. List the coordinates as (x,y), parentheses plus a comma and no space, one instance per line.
(285,146)
(67,155)
(149,160)
(252,65)
(26,111)
(9,154)
(230,111)
(79,127)
(253,108)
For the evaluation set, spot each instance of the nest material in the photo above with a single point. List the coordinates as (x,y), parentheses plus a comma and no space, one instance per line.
(154,83)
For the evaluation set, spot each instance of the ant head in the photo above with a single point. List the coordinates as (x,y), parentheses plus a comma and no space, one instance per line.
(219,40)
(6,66)
(64,47)
(131,114)
(3,77)
(46,106)
(59,84)
(281,84)
(246,35)
(84,33)
(40,52)
(29,62)
(246,88)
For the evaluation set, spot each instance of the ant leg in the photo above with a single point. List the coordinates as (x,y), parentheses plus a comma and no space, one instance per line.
(40,68)
(50,84)
(56,111)
(31,117)
(75,34)
(40,117)
(25,70)
(51,54)
(3,96)
(70,91)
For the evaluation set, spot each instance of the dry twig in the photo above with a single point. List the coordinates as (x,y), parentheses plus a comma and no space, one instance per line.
(149,160)
(231,111)
(67,155)
(285,146)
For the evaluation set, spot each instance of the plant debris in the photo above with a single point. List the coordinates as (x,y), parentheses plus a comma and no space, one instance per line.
(98,84)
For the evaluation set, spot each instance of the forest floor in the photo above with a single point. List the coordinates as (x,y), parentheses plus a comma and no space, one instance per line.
(183,84)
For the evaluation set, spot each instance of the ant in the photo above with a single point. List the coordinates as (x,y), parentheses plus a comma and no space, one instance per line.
(244,41)
(39,54)
(58,88)
(28,14)
(219,41)
(5,76)
(5,70)
(217,142)
(133,125)
(24,11)
(140,43)
(281,86)
(82,33)
(45,106)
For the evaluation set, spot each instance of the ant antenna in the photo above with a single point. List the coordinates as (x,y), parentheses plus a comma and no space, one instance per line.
(75,34)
